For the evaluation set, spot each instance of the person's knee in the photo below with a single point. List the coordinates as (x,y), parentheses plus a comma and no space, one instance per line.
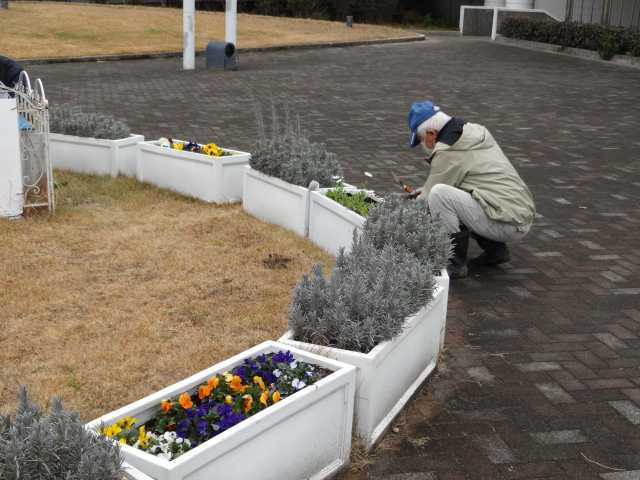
(439,195)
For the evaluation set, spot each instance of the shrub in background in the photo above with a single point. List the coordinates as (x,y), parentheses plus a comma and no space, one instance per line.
(606,40)
(366,300)
(56,446)
(409,224)
(290,156)
(69,120)
(365,10)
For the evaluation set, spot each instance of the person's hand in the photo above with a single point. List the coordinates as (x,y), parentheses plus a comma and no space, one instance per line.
(412,195)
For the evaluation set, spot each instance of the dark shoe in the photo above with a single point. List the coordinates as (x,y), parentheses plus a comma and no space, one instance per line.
(494,253)
(457,266)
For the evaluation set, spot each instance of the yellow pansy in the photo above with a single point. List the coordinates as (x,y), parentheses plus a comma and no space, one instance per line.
(178,146)
(143,437)
(247,403)
(258,381)
(126,423)
(228,399)
(123,441)
(264,398)
(275,397)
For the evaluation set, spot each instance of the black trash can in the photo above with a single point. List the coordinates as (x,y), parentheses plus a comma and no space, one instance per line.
(222,55)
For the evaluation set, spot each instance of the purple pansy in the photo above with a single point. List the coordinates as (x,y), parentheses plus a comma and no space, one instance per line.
(283,357)
(202,427)
(183,428)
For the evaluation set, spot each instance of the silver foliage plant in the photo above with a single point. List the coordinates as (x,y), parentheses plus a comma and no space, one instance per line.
(409,224)
(70,120)
(365,301)
(38,446)
(286,153)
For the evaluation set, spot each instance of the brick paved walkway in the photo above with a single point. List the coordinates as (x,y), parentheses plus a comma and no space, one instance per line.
(541,372)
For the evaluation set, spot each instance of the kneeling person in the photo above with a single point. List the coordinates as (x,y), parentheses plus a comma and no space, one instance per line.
(472,186)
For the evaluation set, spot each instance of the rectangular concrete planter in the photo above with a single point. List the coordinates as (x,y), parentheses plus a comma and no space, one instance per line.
(391,373)
(276,201)
(212,179)
(331,225)
(305,436)
(95,156)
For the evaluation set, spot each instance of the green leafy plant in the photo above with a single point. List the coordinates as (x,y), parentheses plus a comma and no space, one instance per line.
(70,120)
(365,301)
(358,201)
(34,445)
(409,225)
(289,155)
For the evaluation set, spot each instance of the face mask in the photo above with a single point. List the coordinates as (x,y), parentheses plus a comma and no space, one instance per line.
(427,150)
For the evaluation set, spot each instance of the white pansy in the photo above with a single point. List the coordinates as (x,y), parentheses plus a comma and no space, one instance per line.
(293,364)
(301,385)
(277,373)
(295,382)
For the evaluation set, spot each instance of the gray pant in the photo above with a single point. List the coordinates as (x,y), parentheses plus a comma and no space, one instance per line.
(455,207)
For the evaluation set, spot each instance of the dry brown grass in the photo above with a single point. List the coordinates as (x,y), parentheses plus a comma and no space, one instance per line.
(128,289)
(48,30)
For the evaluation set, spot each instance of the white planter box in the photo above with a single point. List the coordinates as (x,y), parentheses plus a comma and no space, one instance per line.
(276,201)
(306,435)
(391,373)
(212,179)
(132,473)
(95,156)
(331,225)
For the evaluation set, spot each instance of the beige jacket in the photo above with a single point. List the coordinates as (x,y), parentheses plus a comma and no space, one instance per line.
(476,164)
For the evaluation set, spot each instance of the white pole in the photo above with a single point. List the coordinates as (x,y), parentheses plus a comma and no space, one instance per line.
(189,30)
(230,21)
(11,197)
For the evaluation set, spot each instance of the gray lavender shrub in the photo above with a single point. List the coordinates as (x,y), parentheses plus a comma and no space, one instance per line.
(289,155)
(69,120)
(409,224)
(38,446)
(365,301)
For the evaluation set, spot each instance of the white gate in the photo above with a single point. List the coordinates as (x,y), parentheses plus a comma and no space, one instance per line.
(33,114)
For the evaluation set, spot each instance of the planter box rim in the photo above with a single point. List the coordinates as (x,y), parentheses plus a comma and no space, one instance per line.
(93,140)
(275,181)
(379,349)
(198,157)
(337,208)
(338,369)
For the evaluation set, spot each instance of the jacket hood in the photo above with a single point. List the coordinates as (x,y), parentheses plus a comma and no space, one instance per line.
(474,137)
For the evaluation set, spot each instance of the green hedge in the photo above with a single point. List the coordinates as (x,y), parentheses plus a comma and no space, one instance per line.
(606,40)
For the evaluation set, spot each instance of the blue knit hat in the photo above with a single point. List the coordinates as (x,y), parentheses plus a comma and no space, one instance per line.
(418,114)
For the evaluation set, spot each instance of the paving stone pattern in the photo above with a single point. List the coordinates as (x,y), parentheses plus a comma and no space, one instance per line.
(540,378)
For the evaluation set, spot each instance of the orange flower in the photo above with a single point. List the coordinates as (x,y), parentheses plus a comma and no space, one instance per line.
(166,406)
(264,398)
(247,402)
(236,384)
(275,397)
(204,391)
(213,383)
(258,381)
(228,399)
(185,401)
